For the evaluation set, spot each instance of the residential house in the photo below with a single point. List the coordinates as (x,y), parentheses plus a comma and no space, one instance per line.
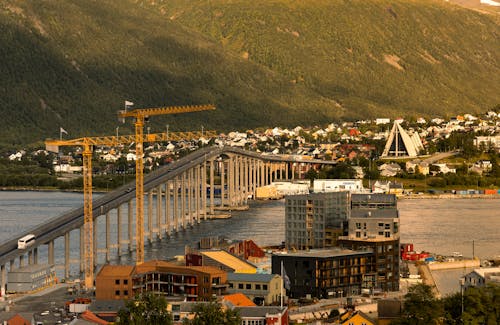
(482,276)
(261,288)
(355,317)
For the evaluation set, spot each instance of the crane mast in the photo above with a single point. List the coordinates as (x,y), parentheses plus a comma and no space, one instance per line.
(140,114)
(88,143)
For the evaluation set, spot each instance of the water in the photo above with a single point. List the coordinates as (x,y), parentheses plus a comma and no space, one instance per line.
(435,225)
(444,226)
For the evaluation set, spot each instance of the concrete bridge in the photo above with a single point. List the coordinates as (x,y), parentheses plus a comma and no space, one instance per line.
(187,184)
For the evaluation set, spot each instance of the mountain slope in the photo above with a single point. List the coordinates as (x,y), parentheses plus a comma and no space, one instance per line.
(409,56)
(263,63)
(73,63)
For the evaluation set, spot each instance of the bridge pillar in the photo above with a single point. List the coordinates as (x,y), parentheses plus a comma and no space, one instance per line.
(108,237)
(197,190)
(3,280)
(189,175)
(130,221)
(50,253)
(175,193)
(254,175)
(21,261)
(238,189)
(203,193)
(241,188)
(230,182)
(168,214)
(159,196)
(262,173)
(212,189)
(183,200)
(66,255)
(119,230)
(30,257)
(150,216)
(222,183)
(35,255)
(12,265)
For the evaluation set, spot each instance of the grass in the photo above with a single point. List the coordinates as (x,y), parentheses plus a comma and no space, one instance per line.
(263,63)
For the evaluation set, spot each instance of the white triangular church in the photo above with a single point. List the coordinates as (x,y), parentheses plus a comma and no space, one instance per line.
(402,144)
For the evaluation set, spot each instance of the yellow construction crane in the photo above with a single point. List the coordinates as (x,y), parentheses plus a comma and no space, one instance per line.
(88,143)
(140,115)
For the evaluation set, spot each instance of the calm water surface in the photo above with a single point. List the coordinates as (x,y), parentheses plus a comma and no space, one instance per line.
(435,225)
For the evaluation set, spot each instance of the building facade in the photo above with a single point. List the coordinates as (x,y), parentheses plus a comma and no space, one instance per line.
(261,288)
(374,224)
(31,277)
(195,283)
(307,217)
(326,273)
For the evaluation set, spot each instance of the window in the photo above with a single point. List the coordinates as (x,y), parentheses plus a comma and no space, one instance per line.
(264,287)
(125,292)
(117,281)
(257,287)
(248,286)
(125,281)
(387,226)
(240,285)
(230,285)
(117,292)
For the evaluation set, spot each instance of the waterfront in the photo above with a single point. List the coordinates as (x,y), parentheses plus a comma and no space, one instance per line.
(436,225)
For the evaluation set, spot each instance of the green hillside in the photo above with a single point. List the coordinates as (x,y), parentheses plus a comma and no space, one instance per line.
(71,64)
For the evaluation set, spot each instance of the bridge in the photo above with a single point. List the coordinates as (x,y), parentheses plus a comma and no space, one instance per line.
(184,196)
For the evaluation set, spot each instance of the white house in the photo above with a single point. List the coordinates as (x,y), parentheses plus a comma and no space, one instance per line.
(482,276)
(334,185)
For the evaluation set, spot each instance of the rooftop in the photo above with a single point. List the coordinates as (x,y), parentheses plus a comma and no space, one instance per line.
(250,277)
(116,270)
(231,261)
(322,253)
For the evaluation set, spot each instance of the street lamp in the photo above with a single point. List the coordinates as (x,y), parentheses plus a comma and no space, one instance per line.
(462,285)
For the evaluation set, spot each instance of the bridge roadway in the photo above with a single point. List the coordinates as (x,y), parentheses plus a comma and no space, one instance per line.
(58,226)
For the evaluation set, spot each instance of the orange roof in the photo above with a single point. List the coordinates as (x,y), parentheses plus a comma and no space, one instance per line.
(91,317)
(239,299)
(231,261)
(116,270)
(156,265)
(18,320)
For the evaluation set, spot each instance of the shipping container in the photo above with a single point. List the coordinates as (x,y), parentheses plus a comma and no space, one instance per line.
(490,191)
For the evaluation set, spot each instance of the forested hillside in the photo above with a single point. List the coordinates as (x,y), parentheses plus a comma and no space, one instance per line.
(72,64)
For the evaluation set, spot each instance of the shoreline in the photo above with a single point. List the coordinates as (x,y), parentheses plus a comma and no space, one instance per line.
(400,197)
(449,196)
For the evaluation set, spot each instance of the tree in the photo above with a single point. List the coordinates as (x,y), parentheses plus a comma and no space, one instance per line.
(341,171)
(212,313)
(145,309)
(421,307)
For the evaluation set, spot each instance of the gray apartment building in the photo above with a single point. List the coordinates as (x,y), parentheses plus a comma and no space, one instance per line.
(352,221)
(310,218)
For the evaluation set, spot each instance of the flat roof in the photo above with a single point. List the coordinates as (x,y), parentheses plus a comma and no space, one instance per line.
(248,277)
(230,261)
(30,268)
(116,270)
(260,311)
(324,253)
